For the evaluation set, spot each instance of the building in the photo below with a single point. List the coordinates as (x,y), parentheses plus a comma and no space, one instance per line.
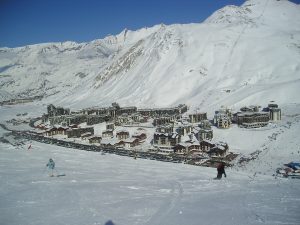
(197,117)
(203,134)
(274,111)
(187,148)
(165,129)
(184,129)
(56,131)
(251,108)
(95,140)
(131,142)
(180,109)
(139,136)
(205,124)
(275,114)
(86,135)
(252,119)
(110,126)
(111,143)
(223,118)
(219,150)
(95,119)
(206,145)
(121,135)
(107,134)
(159,121)
(166,140)
(77,132)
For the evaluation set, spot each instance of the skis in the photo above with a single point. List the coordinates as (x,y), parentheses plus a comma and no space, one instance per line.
(58,175)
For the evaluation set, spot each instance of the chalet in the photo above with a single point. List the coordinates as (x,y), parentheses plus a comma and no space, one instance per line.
(95,139)
(111,142)
(77,132)
(107,133)
(50,131)
(86,135)
(121,135)
(131,142)
(165,139)
(219,150)
(197,117)
(41,126)
(56,131)
(206,145)
(187,148)
(139,136)
(180,148)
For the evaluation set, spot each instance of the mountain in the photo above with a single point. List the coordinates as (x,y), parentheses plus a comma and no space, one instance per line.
(238,56)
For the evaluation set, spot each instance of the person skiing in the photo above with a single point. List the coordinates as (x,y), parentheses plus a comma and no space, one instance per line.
(221,170)
(51,166)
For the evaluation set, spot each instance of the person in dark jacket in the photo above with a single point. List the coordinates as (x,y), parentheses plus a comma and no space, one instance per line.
(221,170)
(51,166)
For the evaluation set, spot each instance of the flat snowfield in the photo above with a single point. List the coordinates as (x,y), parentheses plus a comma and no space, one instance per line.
(101,188)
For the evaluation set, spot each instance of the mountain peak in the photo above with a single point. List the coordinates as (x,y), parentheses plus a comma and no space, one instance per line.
(230,15)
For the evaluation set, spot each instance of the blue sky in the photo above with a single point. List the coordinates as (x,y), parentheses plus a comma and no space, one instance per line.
(24,22)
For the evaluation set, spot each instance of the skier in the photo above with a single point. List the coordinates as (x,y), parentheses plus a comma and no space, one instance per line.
(51,165)
(221,170)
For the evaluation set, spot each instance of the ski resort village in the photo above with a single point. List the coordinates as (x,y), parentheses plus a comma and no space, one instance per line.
(167,134)
(187,113)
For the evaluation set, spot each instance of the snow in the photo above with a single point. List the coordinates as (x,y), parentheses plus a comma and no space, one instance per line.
(255,57)
(240,56)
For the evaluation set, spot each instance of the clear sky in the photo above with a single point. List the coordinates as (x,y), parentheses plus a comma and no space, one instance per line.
(24,22)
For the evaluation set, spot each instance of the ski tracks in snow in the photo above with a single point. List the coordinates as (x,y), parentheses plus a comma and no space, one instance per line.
(168,206)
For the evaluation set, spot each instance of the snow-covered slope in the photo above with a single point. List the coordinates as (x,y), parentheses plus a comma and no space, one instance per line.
(239,55)
(101,188)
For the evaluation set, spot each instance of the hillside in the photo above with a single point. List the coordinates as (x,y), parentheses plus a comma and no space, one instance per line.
(239,55)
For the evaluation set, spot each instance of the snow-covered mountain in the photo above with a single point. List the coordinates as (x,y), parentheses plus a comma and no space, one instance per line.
(239,55)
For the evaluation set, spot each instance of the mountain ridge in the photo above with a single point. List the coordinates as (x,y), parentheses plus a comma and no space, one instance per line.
(248,49)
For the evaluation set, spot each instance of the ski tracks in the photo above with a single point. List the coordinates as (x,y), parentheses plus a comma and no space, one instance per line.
(168,206)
